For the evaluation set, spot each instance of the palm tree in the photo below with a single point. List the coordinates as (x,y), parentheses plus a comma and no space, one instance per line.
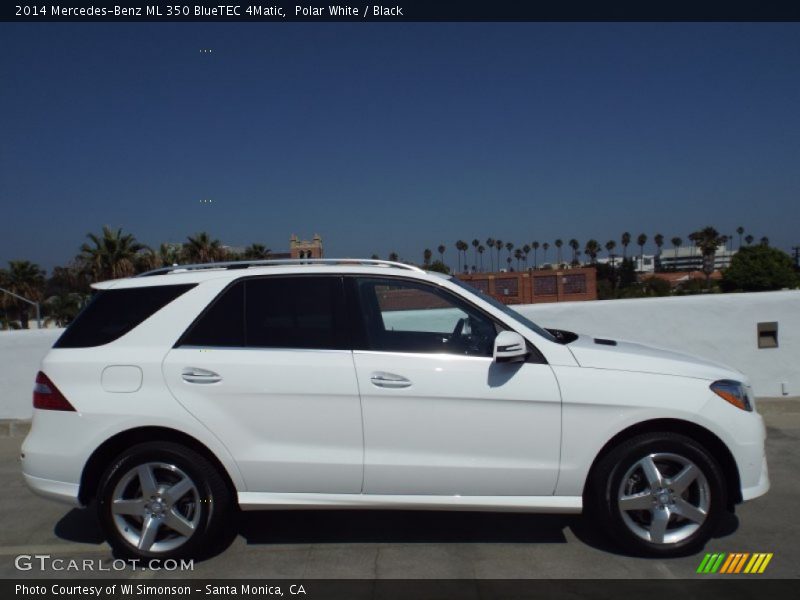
(426,256)
(110,255)
(573,243)
(527,250)
(394,257)
(498,244)
(481,250)
(545,247)
(559,243)
(256,252)
(764,241)
(626,239)
(375,257)
(202,249)
(441,248)
(490,245)
(740,231)
(475,244)
(509,247)
(707,240)
(459,249)
(610,245)
(518,256)
(591,250)
(535,246)
(168,255)
(641,241)
(659,240)
(25,279)
(748,239)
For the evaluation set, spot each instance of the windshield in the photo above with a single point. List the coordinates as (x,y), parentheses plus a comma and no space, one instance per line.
(505,309)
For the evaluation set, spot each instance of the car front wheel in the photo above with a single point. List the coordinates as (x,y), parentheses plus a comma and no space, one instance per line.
(659,494)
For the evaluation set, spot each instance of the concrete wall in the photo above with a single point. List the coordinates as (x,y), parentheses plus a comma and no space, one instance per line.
(20,354)
(721,327)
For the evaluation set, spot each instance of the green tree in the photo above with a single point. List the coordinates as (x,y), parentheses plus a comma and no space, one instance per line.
(535,246)
(749,239)
(426,256)
(394,257)
(202,249)
(707,240)
(439,267)
(759,268)
(641,241)
(626,239)
(610,245)
(574,244)
(111,255)
(256,252)
(591,250)
(61,310)
(25,279)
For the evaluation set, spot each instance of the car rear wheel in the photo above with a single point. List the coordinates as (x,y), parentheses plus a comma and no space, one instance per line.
(658,494)
(162,500)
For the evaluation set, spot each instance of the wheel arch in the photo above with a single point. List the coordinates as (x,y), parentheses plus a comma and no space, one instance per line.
(710,441)
(99,460)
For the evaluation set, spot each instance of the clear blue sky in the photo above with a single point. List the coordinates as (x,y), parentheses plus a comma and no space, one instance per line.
(387,137)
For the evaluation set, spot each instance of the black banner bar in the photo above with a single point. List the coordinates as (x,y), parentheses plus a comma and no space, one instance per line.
(733,588)
(402,10)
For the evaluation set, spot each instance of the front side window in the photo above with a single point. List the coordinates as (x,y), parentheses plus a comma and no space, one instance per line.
(405,316)
(274,312)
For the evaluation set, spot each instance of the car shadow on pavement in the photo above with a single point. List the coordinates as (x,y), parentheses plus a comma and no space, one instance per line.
(385,526)
(80,525)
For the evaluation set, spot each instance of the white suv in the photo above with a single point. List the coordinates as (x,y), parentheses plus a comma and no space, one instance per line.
(182,395)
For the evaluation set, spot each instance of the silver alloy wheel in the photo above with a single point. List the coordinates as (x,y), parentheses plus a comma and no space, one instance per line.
(664,498)
(156,507)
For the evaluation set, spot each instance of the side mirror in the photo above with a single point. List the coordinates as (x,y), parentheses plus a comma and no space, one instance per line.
(509,346)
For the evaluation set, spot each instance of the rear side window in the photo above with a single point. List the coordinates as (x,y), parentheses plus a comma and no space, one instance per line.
(113,313)
(274,312)
(222,323)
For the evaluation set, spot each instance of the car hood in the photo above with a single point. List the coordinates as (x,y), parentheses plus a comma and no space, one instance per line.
(602,353)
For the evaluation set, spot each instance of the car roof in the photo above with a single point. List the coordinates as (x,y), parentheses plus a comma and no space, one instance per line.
(198,273)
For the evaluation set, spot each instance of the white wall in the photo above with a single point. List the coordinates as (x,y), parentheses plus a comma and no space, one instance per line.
(721,327)
(20,354)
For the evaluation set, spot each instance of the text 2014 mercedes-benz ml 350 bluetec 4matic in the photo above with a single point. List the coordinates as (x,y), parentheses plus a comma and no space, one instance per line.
(192,391)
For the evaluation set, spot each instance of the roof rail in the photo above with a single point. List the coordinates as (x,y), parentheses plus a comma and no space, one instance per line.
(244,264)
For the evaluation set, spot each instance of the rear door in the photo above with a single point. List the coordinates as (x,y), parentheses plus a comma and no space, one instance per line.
(268,369)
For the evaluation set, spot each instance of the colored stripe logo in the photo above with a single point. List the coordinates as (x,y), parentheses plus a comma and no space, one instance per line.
(735,563)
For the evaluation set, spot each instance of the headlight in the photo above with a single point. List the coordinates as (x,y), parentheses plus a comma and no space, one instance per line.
(733,392)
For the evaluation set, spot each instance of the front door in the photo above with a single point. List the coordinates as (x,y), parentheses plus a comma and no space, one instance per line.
(440,416)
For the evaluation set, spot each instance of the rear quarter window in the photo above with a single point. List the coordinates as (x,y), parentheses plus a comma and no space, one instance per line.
(113,313)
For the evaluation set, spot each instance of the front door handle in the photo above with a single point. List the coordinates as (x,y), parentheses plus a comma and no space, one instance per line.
(389,380)
(197,375)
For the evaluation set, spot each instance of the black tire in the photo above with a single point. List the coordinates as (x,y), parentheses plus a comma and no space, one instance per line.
(606,486)
(205,506)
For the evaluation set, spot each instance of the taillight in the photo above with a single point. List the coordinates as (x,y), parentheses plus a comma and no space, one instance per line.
(46,395)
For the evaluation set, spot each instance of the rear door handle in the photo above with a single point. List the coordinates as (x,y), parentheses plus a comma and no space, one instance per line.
(389,380)
(197,375)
